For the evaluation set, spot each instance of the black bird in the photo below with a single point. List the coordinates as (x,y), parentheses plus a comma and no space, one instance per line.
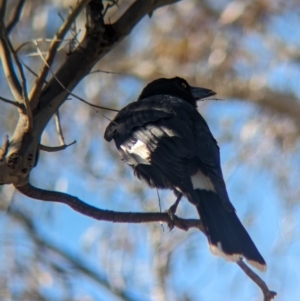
(168,144)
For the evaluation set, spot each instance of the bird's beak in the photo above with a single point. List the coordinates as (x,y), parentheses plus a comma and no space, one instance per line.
(201,93)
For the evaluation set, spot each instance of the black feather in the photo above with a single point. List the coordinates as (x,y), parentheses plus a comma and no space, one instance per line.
(168,144)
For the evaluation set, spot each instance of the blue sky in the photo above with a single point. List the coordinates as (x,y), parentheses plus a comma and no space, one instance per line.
(194,272)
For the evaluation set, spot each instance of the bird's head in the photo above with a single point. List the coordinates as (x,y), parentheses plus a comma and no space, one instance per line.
(178,87)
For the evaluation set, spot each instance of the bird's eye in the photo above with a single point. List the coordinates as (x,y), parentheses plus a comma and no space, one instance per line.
(184,85)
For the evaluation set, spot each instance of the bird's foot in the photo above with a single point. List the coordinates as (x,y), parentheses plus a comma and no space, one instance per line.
(171,212)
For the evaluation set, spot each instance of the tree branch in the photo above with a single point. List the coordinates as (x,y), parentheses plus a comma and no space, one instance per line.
(7,64)
(106,215)
(268,295)
(11,102)
(93,47)
(69,92)
(19,91)
(132,217)
(3,149)
(2,9)
(52,149)
(59,129)
(136,12)
(16,16)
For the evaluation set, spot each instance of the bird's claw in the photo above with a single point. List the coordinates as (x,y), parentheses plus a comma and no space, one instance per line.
(171,212)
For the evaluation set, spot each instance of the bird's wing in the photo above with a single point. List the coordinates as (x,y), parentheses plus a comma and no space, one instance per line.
(135,115)
(166,133)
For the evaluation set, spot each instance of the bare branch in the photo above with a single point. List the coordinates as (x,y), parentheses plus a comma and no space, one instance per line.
(16,16)
(95,45)
(268,295)
(109,6)
(14,103)
(130,217)
(19,91)
(52,149)
(7,64)
(37,88)
(3,150)
(106,215)
(2,9)
(31,71)
(104,71)
(59,129)
(69,92)
(39,40)
(72,94)
(136,12)
(99,40)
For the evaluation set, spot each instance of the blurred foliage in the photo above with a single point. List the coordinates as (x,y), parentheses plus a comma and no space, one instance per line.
(246,51)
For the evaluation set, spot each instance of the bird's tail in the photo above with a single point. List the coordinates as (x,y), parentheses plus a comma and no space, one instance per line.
(226,235)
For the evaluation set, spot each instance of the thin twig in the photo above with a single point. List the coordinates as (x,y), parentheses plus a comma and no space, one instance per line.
(72,94)
(109,6)
(3,149)
(65,88)
(37,88)
(268,295)
(7,64)
(2,9)
(14,103)
(59,129)
(39,40)
(25,99)
(103,71)
(31,71)
(136,12)
(16,16)
(52,149)
(21,90)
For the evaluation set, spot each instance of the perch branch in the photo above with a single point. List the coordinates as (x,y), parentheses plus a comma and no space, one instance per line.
(106,215)
(268,295)
(132,217)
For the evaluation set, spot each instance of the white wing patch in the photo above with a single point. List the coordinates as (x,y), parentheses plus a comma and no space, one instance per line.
(140,151)
(218,251)
(200,181)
